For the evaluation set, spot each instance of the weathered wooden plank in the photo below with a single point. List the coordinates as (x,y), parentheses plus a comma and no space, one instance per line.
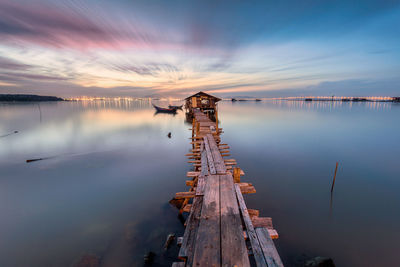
(201,182)
(187,208)
(180,195)
(262,222)
(192,174)
(189,237)
(253,212)
(236,174)
(233,246)
(209,156)
(268,248)
(218,160)
(204,163)
(248,189)
(208,251)
(255,245)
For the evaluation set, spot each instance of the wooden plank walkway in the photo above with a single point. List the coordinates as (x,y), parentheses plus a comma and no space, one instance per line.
(219,222)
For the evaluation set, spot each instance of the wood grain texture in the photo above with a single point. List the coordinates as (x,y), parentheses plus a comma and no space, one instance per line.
(210,158)
(233,246)
(204,163)
(208,251)
(201,183)
(251,233)
(218,160)
(268,248)
(189,237)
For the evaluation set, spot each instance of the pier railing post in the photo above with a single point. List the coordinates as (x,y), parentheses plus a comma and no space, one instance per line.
(236,175)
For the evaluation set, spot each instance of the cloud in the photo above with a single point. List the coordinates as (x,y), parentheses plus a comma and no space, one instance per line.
(10,64)
(178,46)
(50,25)
(147,69)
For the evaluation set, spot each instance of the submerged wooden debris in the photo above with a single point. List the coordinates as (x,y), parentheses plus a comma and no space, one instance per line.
(220,230)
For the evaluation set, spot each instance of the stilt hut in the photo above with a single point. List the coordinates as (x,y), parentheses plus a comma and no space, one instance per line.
(201,101)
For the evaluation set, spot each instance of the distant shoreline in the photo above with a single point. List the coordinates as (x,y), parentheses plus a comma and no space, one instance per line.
(27,98)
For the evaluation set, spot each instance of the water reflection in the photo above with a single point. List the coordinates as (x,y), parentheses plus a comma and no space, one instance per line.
(107,191)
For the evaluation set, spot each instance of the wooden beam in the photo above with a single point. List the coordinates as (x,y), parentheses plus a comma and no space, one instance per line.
(208,251)
(248,189)
(201,182)
(265,222)
(255,244)
(209,155)
(233,246)
(189,238)
(204,162)
(192,174)
(268,248)
(181,195)
(218,160)
(236,174)
(187,208)
(253,213)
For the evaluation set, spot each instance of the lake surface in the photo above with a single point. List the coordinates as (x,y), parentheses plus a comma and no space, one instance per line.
(110,170)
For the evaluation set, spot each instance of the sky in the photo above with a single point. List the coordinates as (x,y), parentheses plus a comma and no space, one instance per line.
(173,48)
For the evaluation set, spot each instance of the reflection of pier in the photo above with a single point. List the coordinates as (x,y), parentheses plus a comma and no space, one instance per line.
(220,230)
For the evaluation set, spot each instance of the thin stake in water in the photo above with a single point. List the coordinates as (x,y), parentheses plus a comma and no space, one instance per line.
(334,177)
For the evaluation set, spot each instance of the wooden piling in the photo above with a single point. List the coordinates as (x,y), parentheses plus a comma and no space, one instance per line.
(334,177)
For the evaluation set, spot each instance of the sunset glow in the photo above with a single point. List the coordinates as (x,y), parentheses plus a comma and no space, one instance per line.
(136,49)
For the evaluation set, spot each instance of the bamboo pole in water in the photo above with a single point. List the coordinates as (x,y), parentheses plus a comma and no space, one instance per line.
(334,177)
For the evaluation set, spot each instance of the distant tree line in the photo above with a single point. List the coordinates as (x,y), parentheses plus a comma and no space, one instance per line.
(27,98)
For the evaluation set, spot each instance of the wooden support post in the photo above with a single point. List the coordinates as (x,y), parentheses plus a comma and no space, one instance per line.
(197,128)
(236,175)
(216,120)
(334,177)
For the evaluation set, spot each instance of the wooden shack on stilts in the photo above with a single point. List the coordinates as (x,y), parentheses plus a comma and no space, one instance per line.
(203,102)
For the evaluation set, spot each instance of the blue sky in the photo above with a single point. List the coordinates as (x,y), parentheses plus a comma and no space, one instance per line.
(173,48)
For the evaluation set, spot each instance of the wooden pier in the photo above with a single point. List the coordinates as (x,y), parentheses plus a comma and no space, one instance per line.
(220,230)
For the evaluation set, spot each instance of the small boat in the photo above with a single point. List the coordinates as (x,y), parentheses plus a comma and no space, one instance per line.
(257,100)
(165,110)
(308,99)
(234,100)
(176,107)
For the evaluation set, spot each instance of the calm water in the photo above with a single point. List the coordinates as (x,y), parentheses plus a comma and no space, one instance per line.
(104,189)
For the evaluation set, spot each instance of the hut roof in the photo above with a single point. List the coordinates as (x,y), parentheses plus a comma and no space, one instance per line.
(204,94)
